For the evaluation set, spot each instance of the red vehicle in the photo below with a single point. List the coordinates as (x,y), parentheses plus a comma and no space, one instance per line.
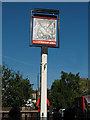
(82,106)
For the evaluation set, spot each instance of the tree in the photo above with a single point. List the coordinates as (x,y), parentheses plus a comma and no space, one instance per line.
(65,90)
(15,89)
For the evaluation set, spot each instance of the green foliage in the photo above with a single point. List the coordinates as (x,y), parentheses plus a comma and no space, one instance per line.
(15,89)
(65,90)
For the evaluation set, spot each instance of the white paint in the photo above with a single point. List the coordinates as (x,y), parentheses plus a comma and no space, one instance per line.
(43,105)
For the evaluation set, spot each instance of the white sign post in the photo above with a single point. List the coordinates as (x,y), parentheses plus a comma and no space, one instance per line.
(43,105)
(44,33)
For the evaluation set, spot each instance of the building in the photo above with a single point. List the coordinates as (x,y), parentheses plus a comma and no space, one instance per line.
(36,94)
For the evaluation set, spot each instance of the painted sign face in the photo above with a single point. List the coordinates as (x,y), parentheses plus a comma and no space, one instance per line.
(44,30)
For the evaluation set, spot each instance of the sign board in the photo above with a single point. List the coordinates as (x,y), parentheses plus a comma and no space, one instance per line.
(44,28)
(44,33)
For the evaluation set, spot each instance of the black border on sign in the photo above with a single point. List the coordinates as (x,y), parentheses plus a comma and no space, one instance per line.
(52,13)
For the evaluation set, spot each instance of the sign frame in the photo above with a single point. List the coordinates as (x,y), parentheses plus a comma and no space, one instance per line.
(45,14)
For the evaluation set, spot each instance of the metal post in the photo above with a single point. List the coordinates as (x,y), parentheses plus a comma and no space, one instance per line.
(43,97)
(37,95)
(25,117)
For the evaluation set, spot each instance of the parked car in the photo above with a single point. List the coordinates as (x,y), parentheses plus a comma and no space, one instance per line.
(30,103)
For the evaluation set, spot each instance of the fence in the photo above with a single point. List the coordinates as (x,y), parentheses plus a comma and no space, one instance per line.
(32,115)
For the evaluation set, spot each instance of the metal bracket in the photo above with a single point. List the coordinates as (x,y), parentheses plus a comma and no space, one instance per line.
(45,65)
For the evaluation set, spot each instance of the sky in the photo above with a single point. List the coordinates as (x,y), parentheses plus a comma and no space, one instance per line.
(72,56)
(89,41)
